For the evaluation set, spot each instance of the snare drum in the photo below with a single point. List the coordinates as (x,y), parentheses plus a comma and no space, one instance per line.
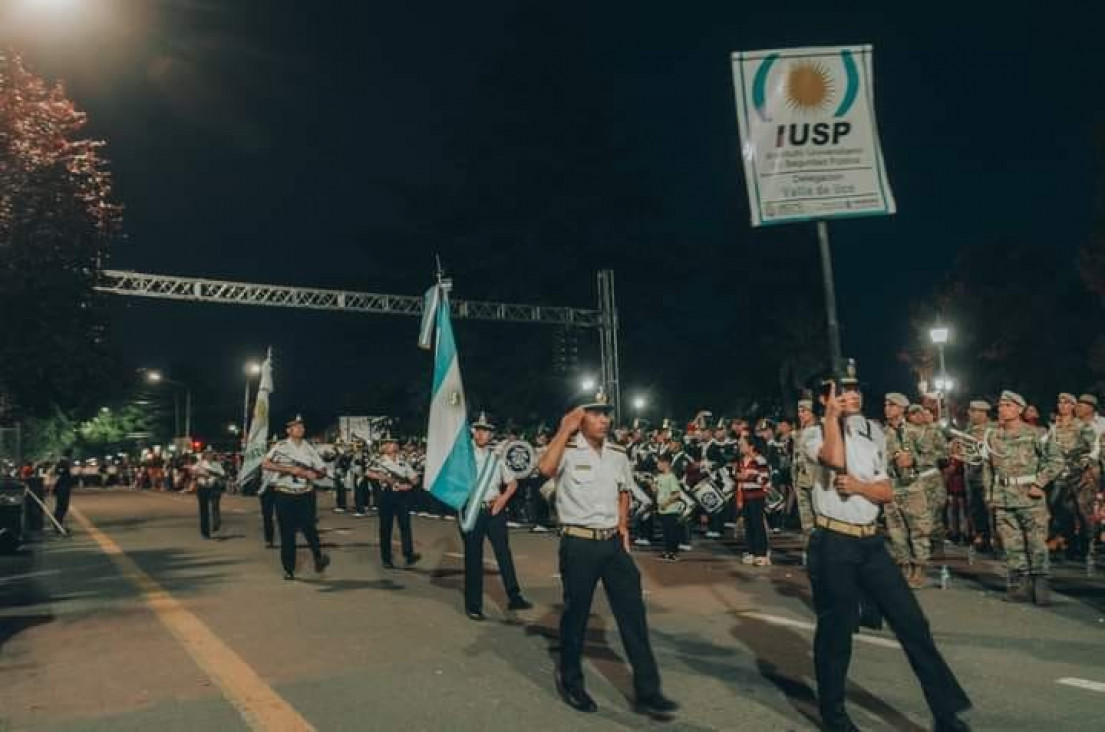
(707,495)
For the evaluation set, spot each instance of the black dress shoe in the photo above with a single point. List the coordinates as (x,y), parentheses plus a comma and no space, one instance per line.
(475,615)
(951,724)
(656,705)
(578,699)
(388,564)
(519,603)
(322,562)
(413,559)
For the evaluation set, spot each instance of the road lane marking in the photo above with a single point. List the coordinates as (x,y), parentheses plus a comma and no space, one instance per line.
(1082,684)
(260,706)
(28,575)
(787,622)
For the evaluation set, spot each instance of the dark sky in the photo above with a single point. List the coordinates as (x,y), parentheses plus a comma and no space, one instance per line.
(344,144)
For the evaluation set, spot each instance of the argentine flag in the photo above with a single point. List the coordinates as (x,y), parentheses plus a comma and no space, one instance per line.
(450,461)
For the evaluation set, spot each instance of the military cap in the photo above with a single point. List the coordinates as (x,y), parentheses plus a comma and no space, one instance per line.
(1012,396)
(1066,397)
(914,408)
(805,404)
(897,398)
(483,423)
(1088,399)
(297,419)
(593,402)
(980,405)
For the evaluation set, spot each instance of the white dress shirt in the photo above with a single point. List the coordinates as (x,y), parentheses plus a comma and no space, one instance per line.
(865,454)
(588,482)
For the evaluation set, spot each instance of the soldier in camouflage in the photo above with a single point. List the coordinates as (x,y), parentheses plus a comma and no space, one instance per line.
(1090,487)
(908,519)
(802,467)
(979,423)
(1020,463)
(930,449)
(1075,440)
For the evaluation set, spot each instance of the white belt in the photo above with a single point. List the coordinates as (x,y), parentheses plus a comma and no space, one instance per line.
(1018,481)
(929,472)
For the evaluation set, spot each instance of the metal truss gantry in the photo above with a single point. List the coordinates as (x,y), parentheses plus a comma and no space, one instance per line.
(226,292)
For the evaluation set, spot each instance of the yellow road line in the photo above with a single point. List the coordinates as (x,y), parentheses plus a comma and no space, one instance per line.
(260,706)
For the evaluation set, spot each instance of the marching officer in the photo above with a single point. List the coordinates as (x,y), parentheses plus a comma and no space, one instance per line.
(1020,463)
(593,480)
(495,486)
(210,481)
(848,557)
(396,479)
(297,465)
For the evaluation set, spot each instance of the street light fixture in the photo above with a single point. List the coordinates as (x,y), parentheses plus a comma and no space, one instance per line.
(639,403)
(939,335)
(154,376)
(588,384)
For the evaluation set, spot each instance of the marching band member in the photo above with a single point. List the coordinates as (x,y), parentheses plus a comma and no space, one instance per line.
(296,464)
(592,498)
(210,481)
(396,479)
(753,474)
(494,488)
(847,557)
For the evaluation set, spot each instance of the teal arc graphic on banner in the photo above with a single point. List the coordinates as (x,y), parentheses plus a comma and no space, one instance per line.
(763,72)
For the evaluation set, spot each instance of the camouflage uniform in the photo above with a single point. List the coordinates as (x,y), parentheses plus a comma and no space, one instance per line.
(929,448)
(908,519)
(803,480)
(1019,457)
(1075,441)
(976,495)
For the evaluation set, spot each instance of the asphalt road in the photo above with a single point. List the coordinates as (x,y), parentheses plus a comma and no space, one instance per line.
(137,623)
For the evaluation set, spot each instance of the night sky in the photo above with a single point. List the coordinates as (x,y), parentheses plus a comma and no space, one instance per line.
(344,144)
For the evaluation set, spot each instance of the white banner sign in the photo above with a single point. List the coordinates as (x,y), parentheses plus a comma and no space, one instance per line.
(366,429)
(808,135)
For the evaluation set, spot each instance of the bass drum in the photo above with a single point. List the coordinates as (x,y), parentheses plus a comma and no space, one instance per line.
(640,502)
(520,458)
(709,496)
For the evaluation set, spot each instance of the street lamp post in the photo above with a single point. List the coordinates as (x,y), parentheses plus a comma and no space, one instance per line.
(156,377)
(939,336)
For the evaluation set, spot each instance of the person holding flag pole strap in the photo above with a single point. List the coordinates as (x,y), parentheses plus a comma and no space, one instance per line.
(593,478)
(485,516)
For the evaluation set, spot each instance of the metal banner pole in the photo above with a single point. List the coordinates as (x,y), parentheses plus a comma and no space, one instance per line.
(835,352)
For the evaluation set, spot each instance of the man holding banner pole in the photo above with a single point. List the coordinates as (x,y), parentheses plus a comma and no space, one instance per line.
(593,478)
(485,516)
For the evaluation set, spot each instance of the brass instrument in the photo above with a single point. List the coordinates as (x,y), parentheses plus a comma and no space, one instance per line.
(970,449)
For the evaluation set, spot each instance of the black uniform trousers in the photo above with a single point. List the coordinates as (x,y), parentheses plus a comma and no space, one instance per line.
(755,529)
(211,517)
(395,507)
(62,491)
(268,508)
(495,530)
(340,491)
(296,513)
(360,495)
(583,562)
(842,567)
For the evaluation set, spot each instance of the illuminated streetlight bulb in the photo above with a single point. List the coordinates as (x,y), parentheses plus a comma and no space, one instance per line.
(639,403)
(253,368)
(153,376)
(939,335)
(588,384)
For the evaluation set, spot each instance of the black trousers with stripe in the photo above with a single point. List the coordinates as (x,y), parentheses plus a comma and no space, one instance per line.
(841,567)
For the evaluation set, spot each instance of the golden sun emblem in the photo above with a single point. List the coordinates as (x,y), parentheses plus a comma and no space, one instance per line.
(809,86)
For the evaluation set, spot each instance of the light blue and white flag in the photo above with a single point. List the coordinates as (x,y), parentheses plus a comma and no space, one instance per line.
(257,445)
(487,479)
(450,462)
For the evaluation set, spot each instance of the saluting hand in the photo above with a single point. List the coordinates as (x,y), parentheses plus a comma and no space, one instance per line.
(572,420)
